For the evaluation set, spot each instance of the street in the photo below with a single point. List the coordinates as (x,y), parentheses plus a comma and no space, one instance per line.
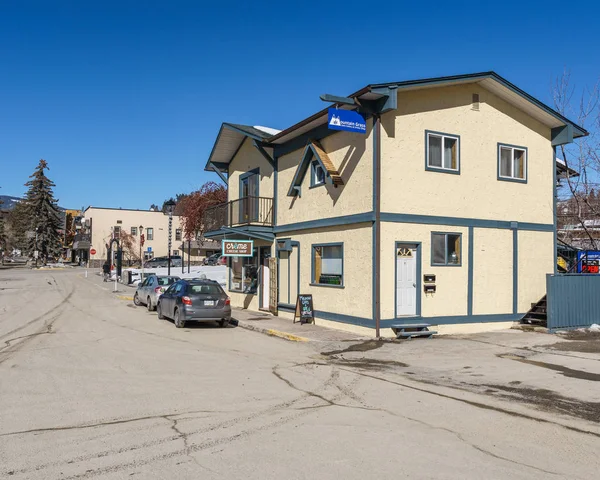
(93,387)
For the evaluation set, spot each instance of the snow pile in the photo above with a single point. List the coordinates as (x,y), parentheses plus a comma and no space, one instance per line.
(594,328)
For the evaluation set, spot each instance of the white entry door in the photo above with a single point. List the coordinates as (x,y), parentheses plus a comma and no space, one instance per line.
(406,280)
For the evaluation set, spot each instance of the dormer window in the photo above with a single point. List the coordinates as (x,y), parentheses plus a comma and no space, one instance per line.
(317,174)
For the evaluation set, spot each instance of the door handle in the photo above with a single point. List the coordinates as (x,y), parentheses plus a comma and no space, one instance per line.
(415,285)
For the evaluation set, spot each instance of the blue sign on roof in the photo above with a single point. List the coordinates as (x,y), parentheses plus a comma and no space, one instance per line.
(346,120)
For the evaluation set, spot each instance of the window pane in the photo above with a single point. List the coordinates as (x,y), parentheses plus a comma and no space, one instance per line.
(453,249)
(519,171)
(236,273)
(450,154)
(250,274)
(435,151)
(438,247)
(505,162)
(328,264)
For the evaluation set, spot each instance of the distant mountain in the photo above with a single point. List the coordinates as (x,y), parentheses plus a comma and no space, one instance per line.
(8,203)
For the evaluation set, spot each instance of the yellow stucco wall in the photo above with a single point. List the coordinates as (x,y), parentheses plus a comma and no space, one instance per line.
(248,158)
(355,298)
(536,259)
(451,282)
(492,271)
(476,193)
(105,218)
(352,154)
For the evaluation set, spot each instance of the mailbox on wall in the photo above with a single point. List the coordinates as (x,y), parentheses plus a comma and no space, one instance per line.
(429,288)
(429,278)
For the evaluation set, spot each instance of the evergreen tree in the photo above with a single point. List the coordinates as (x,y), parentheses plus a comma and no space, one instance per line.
(43,213)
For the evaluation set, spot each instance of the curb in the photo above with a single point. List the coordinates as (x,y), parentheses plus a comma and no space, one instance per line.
(125,297)
(273,333)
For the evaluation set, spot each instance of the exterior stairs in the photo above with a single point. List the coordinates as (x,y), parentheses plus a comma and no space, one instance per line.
(537,314)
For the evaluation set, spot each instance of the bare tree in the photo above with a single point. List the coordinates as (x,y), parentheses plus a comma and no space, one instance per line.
(579,209)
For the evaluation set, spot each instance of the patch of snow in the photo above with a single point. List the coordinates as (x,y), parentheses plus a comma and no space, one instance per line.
(270,131)
(594,328)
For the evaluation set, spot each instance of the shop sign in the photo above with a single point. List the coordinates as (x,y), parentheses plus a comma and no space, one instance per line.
(237,248)
(346,120)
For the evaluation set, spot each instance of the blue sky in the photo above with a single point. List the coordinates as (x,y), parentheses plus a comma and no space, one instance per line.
(125,99)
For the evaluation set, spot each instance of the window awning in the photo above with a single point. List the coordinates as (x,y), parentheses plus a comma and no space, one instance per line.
(314,151)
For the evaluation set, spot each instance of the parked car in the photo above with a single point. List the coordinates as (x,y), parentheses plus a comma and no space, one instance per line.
(163,262)
(195,300)
(151,289)
(211,260)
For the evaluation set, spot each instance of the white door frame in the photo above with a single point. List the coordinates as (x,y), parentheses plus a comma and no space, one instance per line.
(417,246)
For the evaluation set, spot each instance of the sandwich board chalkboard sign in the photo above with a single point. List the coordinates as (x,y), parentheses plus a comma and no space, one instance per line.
(304,309)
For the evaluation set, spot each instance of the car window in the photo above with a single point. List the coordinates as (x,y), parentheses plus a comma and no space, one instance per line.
(171,289)
(205,289)
(178,287)
(167,281)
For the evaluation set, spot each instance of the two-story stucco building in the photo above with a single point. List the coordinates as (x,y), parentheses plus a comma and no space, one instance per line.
(443,211)
(102,223)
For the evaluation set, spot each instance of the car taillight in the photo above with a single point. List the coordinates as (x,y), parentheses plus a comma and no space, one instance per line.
(186,300)
(228,301)
(158,290)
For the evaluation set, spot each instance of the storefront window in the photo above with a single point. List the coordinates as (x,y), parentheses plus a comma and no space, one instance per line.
(243,274)
(328,265)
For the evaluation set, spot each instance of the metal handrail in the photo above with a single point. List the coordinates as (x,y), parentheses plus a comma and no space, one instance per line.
(251,210)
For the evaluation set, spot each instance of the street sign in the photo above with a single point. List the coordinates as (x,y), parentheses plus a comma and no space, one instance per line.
(36,254)
(346,120)
(149,249)
(237,248)
(93,251)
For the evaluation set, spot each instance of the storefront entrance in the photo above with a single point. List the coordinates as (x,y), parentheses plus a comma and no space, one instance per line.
(289,272)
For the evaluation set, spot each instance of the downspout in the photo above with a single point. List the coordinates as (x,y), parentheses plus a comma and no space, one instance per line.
(554,214)
(377,225)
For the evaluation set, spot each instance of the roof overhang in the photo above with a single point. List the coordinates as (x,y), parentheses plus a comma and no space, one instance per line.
(229,141)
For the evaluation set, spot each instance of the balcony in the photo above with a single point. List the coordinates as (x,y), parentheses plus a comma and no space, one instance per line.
(257,211)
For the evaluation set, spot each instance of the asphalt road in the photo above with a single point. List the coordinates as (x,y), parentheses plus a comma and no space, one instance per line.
(92,387)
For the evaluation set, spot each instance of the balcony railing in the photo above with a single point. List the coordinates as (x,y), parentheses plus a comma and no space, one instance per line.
(82,241)
(243,211)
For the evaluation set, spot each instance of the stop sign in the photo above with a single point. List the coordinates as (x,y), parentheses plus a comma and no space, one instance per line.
(93,251)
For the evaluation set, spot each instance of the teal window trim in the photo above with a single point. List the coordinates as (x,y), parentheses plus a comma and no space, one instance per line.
(525,169)
(255,254)
(446,264)
(314,281)
(314,166)
(430,168)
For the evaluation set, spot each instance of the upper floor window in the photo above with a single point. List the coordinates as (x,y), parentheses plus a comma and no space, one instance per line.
(150,233)
(117,231)
(134,231)
(442,152)
(317,174)
(512,163)
(446,249)
(178,234)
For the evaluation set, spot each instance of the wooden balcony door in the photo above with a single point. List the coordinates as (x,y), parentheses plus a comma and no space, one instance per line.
(249,183)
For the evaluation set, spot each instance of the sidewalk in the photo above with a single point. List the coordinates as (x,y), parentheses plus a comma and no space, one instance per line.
(284,328)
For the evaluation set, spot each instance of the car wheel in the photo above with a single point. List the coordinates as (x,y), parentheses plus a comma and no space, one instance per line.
(223,323)
(159,312)
(179,323)
(149,304)
(136,300)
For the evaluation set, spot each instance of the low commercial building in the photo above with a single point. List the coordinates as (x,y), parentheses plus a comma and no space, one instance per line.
(416,201)
(101,224)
